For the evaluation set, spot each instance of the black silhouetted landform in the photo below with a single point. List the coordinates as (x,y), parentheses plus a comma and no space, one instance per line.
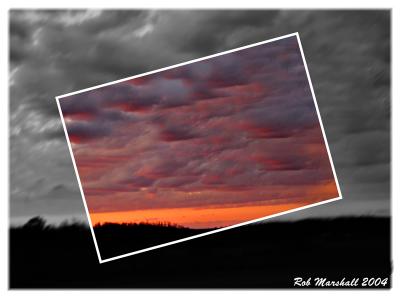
(116,239)
(261,255)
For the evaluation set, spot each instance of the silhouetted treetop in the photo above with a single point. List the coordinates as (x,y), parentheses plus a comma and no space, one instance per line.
(35,223)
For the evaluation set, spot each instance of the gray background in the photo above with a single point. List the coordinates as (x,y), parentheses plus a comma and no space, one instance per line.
(57,52)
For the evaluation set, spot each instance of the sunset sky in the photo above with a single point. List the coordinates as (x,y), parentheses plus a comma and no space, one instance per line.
(212,143)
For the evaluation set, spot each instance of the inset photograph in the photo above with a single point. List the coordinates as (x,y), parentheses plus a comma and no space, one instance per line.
(199,147)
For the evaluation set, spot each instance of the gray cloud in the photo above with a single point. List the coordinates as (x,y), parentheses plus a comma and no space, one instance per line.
(56,52)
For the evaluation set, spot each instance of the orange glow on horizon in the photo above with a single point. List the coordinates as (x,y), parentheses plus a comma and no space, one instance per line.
(195,217)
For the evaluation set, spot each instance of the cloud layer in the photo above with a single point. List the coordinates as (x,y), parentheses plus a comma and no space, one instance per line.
(235,130)
(56,52)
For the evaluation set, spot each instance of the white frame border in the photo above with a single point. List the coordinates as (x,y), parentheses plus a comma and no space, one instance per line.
(220,229)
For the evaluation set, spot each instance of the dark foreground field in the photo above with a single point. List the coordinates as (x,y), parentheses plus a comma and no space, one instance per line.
(266,255)
(116,239)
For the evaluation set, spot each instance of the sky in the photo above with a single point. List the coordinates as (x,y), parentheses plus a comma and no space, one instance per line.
(234,133)
(57,52)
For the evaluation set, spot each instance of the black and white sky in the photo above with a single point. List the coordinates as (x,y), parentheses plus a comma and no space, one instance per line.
(60,51)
